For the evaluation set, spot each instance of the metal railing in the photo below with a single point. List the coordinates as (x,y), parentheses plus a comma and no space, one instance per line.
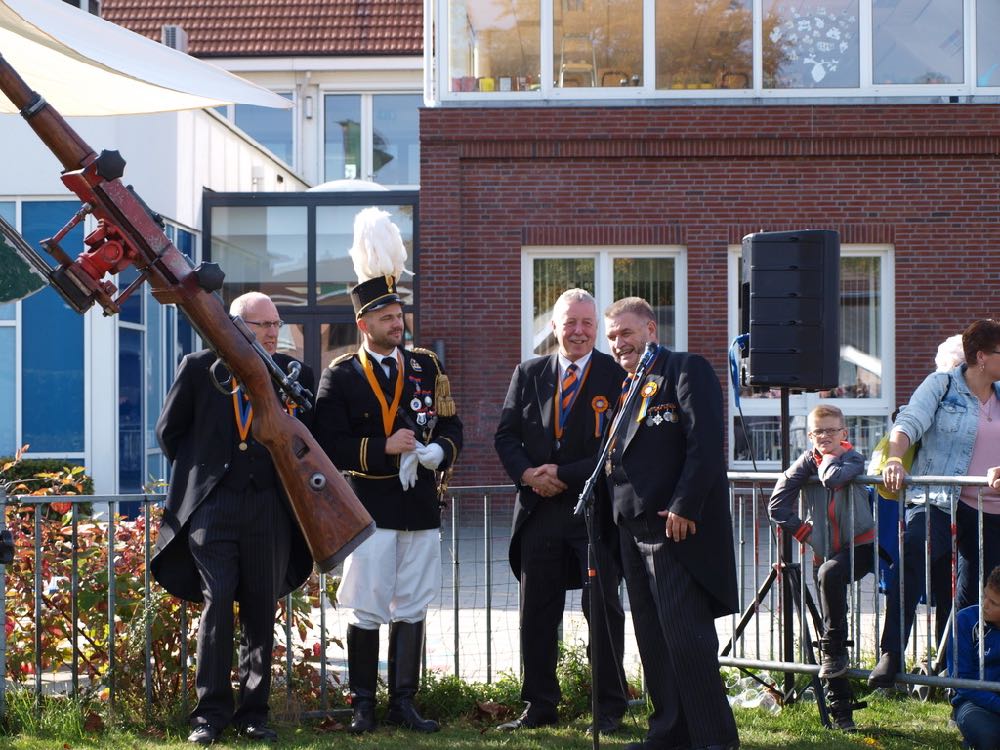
(472,627)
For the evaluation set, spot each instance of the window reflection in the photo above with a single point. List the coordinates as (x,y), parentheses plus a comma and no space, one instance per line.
(272,128)
(597,43)
(552,277)
(268,243)
(704,45)
(987,44)
(342,136)
(494,45)
(860,332)
(918,41)
(335,275)
(811,44)
(395,139)
(653,280)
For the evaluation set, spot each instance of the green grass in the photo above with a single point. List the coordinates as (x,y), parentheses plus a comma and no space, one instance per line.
(891,723)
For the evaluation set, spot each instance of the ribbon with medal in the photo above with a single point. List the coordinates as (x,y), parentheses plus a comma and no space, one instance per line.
(600,405)
(648,391)
(243,412)
(388,411)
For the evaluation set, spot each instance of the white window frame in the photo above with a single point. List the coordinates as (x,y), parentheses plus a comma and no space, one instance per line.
(800,404)
(604,256)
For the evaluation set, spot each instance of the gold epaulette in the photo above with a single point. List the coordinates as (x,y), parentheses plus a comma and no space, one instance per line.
(429,353)
(443,402)
(341,358)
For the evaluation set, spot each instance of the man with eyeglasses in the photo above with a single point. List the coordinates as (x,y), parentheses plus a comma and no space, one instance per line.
(227,533)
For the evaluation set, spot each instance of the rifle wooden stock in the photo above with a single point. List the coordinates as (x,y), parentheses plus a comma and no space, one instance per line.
(330,515)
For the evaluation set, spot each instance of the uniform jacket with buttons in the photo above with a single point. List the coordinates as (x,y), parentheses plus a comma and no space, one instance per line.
(348,425)
(198,434)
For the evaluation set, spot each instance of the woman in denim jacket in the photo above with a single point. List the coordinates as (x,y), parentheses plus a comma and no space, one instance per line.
(956,417)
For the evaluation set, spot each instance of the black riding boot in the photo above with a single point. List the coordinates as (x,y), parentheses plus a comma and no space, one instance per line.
(362,664)
(406,641)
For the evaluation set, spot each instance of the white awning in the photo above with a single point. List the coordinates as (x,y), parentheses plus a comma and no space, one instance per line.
(84,65)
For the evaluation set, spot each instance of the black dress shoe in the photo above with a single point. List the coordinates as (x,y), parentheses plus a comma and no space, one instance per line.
(648,744)
(259,733)
(606,725)
(204,734)
(527,720)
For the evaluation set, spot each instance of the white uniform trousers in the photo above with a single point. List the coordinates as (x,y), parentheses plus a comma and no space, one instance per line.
(392,577)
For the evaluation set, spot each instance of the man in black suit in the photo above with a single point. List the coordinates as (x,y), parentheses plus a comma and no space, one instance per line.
(548,439)
(386,418)
(668,485)
(227,533)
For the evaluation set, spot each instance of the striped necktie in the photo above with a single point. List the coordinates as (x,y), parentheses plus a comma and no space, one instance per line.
(570,387)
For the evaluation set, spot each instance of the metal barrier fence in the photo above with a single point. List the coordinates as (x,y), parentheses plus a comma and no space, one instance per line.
(472,627)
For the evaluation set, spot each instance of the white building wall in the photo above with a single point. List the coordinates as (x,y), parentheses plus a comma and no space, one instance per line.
(170,159)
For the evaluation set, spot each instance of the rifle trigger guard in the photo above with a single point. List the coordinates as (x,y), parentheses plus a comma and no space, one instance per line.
(215,380)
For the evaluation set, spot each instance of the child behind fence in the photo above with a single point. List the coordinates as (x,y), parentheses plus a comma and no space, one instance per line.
(837,514)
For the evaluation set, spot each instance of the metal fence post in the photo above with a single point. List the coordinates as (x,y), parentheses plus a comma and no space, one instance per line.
(3,612)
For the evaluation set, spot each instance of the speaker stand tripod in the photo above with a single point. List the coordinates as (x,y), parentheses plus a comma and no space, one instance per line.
(791,577)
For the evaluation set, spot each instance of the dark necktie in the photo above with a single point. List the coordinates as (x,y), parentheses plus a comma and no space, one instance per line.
(570,387)
(389,381)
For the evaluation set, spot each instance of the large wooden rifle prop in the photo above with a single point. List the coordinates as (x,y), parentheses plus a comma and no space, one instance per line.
(128,233)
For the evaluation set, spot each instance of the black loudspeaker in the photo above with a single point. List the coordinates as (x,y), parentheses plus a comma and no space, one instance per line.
(790,306)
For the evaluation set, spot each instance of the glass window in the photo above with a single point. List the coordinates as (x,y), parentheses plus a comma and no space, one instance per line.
(131,453)
(131,308)
(918,41)
(262,249)
(52,345)
(8,393)
(552,277)
(597,43)
(155,381)
(335,275)
(342,136)
(656,276)
(987,43)
(184,241)
(493,45)
(271,128)
(396,138)
(810,44)
(653,279)
(704,45)
(8,212)
(862,390)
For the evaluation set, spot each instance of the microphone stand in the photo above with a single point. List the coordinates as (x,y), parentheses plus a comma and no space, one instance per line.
(586,507)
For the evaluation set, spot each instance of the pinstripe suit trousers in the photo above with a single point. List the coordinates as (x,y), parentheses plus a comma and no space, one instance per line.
(677,641)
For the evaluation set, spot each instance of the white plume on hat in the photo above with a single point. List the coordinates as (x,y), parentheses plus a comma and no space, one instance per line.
(378,248)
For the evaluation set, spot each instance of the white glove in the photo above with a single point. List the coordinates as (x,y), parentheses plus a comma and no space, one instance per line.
(430,455)
(408,469)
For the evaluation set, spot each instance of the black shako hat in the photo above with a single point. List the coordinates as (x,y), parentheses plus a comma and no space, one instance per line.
(373,294)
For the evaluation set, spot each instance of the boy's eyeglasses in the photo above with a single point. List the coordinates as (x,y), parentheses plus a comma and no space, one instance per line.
(827,432)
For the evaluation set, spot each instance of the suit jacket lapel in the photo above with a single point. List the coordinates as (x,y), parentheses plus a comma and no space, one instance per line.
(634,425)
(545,393)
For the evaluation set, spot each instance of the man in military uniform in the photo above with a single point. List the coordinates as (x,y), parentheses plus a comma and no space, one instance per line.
(385,417)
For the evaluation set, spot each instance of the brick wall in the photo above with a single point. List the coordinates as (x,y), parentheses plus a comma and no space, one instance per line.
(924,178)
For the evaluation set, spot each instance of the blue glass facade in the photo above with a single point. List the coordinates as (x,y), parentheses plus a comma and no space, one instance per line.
(52,393)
